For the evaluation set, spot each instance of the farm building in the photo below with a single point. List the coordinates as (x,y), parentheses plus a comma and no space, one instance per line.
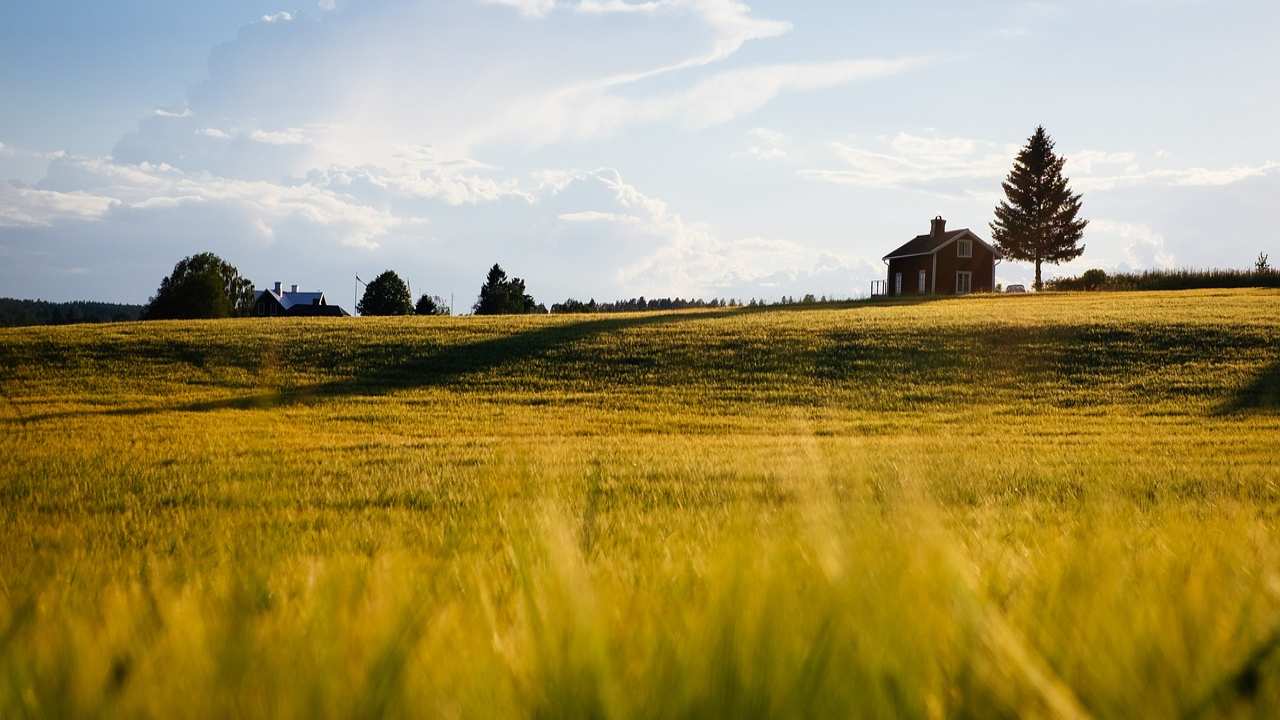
(955,262)
(275,302)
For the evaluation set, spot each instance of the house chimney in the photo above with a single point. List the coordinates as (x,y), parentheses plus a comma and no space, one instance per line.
(293,288)
(939,226)
(277,287)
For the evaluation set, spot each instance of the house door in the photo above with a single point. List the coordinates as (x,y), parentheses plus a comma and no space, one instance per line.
(920,283)
(897,283)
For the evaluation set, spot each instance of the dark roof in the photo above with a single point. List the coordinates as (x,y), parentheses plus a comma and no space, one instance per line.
(288,298)
(925,244)
(316,311)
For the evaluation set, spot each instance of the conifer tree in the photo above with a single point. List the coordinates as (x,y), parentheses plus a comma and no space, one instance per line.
(1039,219)
(502,296)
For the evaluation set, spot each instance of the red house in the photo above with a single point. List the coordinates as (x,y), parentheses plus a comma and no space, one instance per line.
(955,262)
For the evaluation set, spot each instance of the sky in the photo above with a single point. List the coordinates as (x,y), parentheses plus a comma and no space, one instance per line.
(614,148)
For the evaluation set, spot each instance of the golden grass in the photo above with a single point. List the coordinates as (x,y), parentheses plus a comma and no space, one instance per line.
(1060,505)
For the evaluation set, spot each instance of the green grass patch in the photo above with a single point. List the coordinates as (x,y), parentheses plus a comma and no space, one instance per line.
(1065,504)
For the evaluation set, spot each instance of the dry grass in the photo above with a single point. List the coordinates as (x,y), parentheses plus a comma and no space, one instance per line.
(1055,505)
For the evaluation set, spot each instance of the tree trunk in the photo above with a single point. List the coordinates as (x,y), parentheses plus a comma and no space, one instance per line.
(1038,284)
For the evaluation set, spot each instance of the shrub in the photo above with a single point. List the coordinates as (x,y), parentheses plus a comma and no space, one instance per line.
(431,305)
(1184,279)
(1094,279)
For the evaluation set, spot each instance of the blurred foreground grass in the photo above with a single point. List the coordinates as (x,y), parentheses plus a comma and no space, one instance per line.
(1061,505)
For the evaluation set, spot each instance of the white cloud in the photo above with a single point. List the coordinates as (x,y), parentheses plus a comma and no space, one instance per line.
(965,166)
(766,144)
(590,216)
(1184,177)
(530,8)
(673,256)
(1087,161)
(92,188)
(1115,245)
(214,133)
(289,136)
(917,162)
(278,17)
(592,111)
(29,207)
(619,6)
(183,113)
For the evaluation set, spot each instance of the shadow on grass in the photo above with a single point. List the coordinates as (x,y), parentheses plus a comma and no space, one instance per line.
(433,368)
(1261,394)
(791,364)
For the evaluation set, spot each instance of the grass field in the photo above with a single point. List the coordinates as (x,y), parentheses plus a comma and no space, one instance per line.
(1056,505)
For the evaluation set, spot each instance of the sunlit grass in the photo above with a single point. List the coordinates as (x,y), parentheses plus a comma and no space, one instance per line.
(1052,505)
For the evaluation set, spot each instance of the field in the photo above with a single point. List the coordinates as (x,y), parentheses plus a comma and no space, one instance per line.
(1056,505)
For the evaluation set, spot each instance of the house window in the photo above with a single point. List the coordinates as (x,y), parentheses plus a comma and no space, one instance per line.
(964,283)
(964,248)
(920,283)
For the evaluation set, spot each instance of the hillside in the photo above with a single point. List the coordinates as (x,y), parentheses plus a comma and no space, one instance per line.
(1045,504)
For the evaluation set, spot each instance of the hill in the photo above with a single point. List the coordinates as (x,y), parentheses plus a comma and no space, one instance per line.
(16,313)
(1058,504)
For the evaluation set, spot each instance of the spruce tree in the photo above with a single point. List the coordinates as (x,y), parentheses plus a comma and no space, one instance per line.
(1039,219)
(500,295)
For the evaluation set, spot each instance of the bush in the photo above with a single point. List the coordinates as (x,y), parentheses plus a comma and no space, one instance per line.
(431,305)
(1094,279)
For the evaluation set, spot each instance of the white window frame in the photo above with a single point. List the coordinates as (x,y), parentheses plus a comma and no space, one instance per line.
(967,285)
(897,283)
(921,276)
(964,248)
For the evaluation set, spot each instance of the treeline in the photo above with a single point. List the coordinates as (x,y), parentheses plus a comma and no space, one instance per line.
(1262,275)
(14,312)
(642,304)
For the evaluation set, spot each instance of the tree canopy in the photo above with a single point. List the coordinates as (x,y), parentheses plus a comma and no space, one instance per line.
(431,305)
(500,295)
(386,295)
(201,286)
(1038,221)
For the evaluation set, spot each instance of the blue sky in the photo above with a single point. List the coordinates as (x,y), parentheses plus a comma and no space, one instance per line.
(612,148)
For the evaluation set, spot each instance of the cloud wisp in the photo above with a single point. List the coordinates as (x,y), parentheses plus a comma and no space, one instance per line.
(965,166)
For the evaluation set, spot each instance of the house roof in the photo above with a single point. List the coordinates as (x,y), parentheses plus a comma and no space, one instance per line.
(927,244)
(317,311)
(289,299)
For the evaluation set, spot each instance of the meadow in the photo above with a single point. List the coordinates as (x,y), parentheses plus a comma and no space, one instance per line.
(1062,505)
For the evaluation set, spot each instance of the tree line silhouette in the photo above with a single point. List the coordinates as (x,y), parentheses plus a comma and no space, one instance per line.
(14,312)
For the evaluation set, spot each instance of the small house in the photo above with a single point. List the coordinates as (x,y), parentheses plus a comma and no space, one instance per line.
(944,262)
(276,302)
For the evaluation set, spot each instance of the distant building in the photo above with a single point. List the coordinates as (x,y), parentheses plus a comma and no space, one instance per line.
(955,262)
(277,302)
